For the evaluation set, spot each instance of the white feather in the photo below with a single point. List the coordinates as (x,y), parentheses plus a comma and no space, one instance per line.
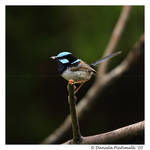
(77,76)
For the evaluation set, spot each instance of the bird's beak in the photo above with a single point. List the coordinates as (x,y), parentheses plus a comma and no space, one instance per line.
(53,57)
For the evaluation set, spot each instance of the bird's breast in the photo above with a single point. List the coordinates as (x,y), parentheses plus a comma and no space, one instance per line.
(77,76)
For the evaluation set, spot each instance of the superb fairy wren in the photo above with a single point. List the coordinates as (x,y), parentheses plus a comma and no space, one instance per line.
(75,70)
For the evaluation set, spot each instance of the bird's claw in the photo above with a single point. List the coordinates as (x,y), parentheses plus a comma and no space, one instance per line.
(71,82)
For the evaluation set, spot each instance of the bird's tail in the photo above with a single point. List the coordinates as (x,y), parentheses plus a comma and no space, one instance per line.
(106,58)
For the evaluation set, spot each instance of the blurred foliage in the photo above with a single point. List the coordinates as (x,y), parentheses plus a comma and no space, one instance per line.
(36,97)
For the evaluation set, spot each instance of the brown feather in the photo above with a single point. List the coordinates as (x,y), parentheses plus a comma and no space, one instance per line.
(82,66)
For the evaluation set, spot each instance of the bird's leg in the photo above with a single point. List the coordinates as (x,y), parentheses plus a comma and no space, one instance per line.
(72,83)
(78,88)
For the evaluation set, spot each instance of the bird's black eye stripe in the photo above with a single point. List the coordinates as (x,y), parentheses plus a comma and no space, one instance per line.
(70,58)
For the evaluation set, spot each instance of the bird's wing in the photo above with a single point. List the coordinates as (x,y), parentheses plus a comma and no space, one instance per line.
(106,58)
(82,66)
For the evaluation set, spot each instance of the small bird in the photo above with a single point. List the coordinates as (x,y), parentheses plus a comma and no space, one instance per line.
(75,70)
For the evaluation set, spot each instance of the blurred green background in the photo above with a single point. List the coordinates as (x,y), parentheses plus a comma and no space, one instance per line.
(36,96)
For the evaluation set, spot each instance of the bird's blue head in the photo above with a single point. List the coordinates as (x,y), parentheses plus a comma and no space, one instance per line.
(65,60)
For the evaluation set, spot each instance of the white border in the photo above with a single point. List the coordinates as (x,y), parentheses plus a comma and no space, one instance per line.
(147,76)
(3,3)
(2,74)
(74,2)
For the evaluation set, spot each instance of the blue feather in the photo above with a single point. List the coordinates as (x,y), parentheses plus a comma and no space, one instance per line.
(64,61)
(106,58)
(62,54)
(78,60)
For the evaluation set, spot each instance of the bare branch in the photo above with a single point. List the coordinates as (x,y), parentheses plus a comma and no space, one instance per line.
(97,89)
(74,118)
(115,37)
(119,136)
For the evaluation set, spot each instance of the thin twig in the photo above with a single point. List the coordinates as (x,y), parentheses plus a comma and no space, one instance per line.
(97,89)
(124,135)
(74,118)
(115,37)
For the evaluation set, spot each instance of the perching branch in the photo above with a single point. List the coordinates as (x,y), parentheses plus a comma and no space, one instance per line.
(74,118)
(115,37)
(97,89)
(119,136)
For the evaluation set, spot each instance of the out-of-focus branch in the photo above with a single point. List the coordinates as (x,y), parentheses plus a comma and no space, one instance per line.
(115,37)
(74,118)
(120,136)
(127,63)
(97,89)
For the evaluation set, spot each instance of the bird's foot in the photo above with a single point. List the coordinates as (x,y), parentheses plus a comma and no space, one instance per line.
(71,82)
